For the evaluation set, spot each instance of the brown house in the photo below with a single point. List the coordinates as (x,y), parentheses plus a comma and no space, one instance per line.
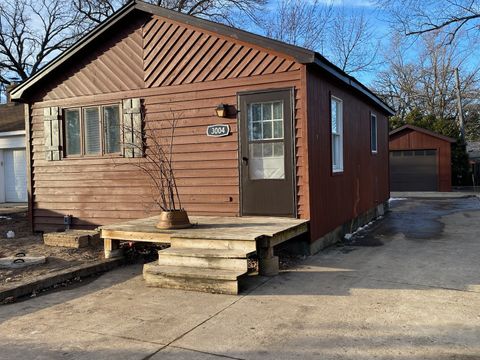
(303,138)
(420,160)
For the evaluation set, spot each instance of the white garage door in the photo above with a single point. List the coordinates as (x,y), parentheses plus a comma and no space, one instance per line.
(15,175)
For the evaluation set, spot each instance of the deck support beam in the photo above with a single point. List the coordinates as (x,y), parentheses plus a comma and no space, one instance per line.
(112,248)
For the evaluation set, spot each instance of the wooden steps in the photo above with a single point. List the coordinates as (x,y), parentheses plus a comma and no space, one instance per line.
(210,266)
(244,245)
(197,279)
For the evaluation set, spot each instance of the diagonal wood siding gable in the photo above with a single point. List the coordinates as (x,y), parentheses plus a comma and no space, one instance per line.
(175,54)
(116,65)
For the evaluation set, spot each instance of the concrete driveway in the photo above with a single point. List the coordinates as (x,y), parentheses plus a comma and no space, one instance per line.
(408,288)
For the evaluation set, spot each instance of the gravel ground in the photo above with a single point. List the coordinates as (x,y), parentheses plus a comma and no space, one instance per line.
(58,258)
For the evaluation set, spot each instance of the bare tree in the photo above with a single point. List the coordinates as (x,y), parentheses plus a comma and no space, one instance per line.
(353,45)
(156,143)
(416,17)
(31,33)
(344,37)
(218,10)
(425,80)
(298,22)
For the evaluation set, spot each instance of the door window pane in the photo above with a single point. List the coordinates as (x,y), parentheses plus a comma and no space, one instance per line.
(266,111)
(72,132)
(267,130)
(111,126)
(278,110)
(266,146)
(265,121)
(269,163)
(256,131)
(92,131)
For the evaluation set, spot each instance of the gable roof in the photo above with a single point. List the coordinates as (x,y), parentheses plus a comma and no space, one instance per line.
(422,130)
(301,55)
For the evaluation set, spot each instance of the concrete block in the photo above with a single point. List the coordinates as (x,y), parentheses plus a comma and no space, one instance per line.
(72,238)
(268,266)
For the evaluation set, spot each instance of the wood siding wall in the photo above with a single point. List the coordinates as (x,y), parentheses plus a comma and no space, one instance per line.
(414,140)
(177,54)
(103,190)
(116,66)
(335,199)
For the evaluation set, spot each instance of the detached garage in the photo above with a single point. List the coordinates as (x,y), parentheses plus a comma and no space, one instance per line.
(420,160)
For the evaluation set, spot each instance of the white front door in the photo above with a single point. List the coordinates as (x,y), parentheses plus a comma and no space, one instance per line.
(15,175)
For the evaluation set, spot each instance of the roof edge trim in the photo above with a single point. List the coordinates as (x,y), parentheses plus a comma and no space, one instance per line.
(18,92)
(422,130)
(351,81)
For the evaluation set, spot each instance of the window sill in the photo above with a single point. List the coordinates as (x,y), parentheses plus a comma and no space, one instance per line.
(89,157)
(337,172)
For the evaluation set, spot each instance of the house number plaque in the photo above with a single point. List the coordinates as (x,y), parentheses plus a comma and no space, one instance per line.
(218,130)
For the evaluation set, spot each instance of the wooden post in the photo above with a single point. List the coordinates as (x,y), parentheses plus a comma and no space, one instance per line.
(112,248)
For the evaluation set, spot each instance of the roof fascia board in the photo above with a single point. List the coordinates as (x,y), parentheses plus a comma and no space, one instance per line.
(331,69)
(423,131)
(18,92)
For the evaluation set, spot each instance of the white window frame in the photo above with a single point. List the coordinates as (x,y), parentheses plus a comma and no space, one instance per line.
(337,167)
(374,150)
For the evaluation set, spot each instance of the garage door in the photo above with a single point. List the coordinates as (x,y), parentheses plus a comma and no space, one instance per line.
(15,175)
(413,170)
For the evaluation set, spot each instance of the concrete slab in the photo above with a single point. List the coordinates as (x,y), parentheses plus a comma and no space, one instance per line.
(432,194)
(407,288)
(40,342)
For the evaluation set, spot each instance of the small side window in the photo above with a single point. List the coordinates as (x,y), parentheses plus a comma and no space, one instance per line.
(111,127)
(72,132)
(337,134)
(373,133)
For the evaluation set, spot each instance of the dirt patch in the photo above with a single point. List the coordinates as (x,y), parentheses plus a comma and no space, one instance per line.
(58,258)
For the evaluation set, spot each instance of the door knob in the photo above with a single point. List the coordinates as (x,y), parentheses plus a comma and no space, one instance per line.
(245,160)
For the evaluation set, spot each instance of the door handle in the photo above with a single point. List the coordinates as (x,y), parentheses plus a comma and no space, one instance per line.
(245,160)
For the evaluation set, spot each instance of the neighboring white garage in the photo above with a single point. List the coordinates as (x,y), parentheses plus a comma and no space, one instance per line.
(13,166)
(15,173)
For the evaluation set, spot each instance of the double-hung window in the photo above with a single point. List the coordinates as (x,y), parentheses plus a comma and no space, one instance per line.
(337,134)
(92,131)
(373,133)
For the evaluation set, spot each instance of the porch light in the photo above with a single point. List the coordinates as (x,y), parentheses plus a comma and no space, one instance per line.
(221,110)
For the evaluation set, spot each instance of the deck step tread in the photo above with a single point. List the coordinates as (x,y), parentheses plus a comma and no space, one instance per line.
(193,272)
(205,253)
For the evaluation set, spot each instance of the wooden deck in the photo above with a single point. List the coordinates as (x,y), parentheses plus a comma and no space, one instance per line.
(275,229)
(212,254)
